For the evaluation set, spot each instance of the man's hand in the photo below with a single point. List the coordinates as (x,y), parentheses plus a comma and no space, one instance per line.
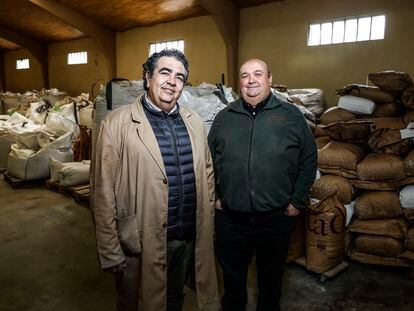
(117,269)
(217,204)
(292,211)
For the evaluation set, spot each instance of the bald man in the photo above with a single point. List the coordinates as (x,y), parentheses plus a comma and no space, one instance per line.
(265,160)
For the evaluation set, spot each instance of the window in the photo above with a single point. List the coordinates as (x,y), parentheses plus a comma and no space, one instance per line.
(362,28)
(77,58)
(22,64)
(159,46)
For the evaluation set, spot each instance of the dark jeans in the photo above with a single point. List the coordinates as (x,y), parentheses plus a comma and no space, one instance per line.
(239,236)
(180,259)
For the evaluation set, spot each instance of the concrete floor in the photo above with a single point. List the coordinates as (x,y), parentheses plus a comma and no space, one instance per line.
(48,262)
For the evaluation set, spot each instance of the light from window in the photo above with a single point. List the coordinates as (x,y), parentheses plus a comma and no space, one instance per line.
(22,64)
(167,45)
(347,30)
(77,58)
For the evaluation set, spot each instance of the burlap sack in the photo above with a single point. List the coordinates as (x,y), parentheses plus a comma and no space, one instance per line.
(356,131)
(297,245)
(341,159)
(409,242)
(378,205)
(407,255)
(349,242)
(389,141)
(325,234)
(336,114)
(393,228)
(379,260)
(378,245)
(322,141)
(369,92)
(382,185)
(380,167)
(319,131)
(408,214)
(394,109)
(331,184)
(390,81)
(409,117)
(409,164)
(408,97)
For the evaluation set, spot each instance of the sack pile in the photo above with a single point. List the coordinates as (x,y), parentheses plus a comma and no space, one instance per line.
(365,153)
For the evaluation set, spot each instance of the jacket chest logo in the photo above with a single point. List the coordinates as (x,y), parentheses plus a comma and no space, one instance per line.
(276,118)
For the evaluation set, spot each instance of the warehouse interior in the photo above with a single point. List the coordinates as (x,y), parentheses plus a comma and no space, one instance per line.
(48,253)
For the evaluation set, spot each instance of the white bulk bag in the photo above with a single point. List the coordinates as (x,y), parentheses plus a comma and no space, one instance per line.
(357,105)
(59,124)
(72,175)
(407,197)
(27,164)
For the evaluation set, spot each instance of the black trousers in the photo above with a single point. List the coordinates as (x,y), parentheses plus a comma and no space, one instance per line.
(240,236)
(180,259)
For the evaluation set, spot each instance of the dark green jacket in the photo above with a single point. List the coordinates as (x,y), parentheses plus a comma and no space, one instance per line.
(262,164)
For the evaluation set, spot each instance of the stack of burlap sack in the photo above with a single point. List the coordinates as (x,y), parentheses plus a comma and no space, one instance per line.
(40,130)
(365,153)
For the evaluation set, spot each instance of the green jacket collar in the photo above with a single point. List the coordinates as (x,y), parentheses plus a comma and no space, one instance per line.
(274,102)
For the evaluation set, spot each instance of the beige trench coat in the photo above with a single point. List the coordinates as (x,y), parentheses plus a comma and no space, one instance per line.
(130,203)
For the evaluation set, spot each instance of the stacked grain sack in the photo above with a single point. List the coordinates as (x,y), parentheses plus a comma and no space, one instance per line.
(365,150)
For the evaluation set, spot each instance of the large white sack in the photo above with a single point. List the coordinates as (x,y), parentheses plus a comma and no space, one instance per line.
(85,116)
(5,147)
(68,111)
(357,105)
(72,175)
(37,112)
(59,124)
(35,165)
(56,166)
(26,132)
(207,105)
(407,197)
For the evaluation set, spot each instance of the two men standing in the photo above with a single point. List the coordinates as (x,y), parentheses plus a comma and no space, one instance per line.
(153,191)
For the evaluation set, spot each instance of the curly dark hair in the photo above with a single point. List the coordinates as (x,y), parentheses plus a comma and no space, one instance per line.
(152,61)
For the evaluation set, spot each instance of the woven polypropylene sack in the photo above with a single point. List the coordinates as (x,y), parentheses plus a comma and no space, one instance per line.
(376,167)
(357,105)
(325,234)
(378,205)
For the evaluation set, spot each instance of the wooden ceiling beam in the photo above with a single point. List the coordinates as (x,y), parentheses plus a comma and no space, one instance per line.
(105,38)
(227,17)
(38,49)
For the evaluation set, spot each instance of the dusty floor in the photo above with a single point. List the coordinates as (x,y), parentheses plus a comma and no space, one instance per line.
(48,262)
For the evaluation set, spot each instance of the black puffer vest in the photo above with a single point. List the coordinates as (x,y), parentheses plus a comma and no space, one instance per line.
(175,146)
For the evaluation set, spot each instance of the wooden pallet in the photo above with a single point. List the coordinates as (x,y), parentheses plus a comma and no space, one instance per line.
(323,277)
(16,182)
(80,193)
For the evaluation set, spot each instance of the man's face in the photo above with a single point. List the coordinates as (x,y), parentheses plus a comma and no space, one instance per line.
(255,81)
(166,83)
